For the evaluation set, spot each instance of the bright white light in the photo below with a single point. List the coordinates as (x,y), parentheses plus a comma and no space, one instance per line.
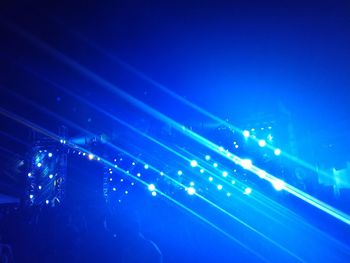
(126,192)
(91,156)
(133,163)
(29,174)
(221,149)
(278,184)
(207,157)
(39,187)
(111,179)
(47,202)
(248,191)
(191,183)
(146,166)
(277,152)
(84,154)
(269,137)
(61,141)
(246,163)
(246,134)
(122,180)
(151,187)
(219,187)
(31,196)
(191,190)
(49,154)
(211,179)
(228,194)
(39,164)
(132,183)
(161,173)
(98,158)
(261,174)
(179,172)
(154,193)
(262,143)
(233,182)
(224,174)
(51,176)
(138,175)
(201,171)
(215,165)
(114,189)
(236,146)
(194,163)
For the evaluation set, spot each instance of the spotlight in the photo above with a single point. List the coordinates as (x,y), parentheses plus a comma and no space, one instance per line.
(146,166)
(111,179)
(31,196)
(126,192)
(215,165)
(51,176)
(39,164)
(154,193)
(211,179)
(277,152)
(39,187)
(114,189)
(151,187)
(246,134)
(247,191)
(262,143)
(47,202)
(90,156)
(201,171)
(236,146)
(49,154)
(219,187)
(246,163)
(29,174)
(161,173)
(138,174)
(191,190)
(224,174)
(278,184)
(207,157)
(194,163)
(179,172)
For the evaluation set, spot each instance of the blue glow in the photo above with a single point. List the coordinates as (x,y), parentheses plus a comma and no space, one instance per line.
(247,191)
(246,133)
(233,182)
(215,165)
(228,194)
(133,163)
(126,192)
(201,171)
(262,143)
(219,187)
(207,157)
(194,163)
(191,190)
(146,166)
(269,137)
(211,179)
(151,187)
(277,152)
(161,174)
(191,183)
(224,174)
